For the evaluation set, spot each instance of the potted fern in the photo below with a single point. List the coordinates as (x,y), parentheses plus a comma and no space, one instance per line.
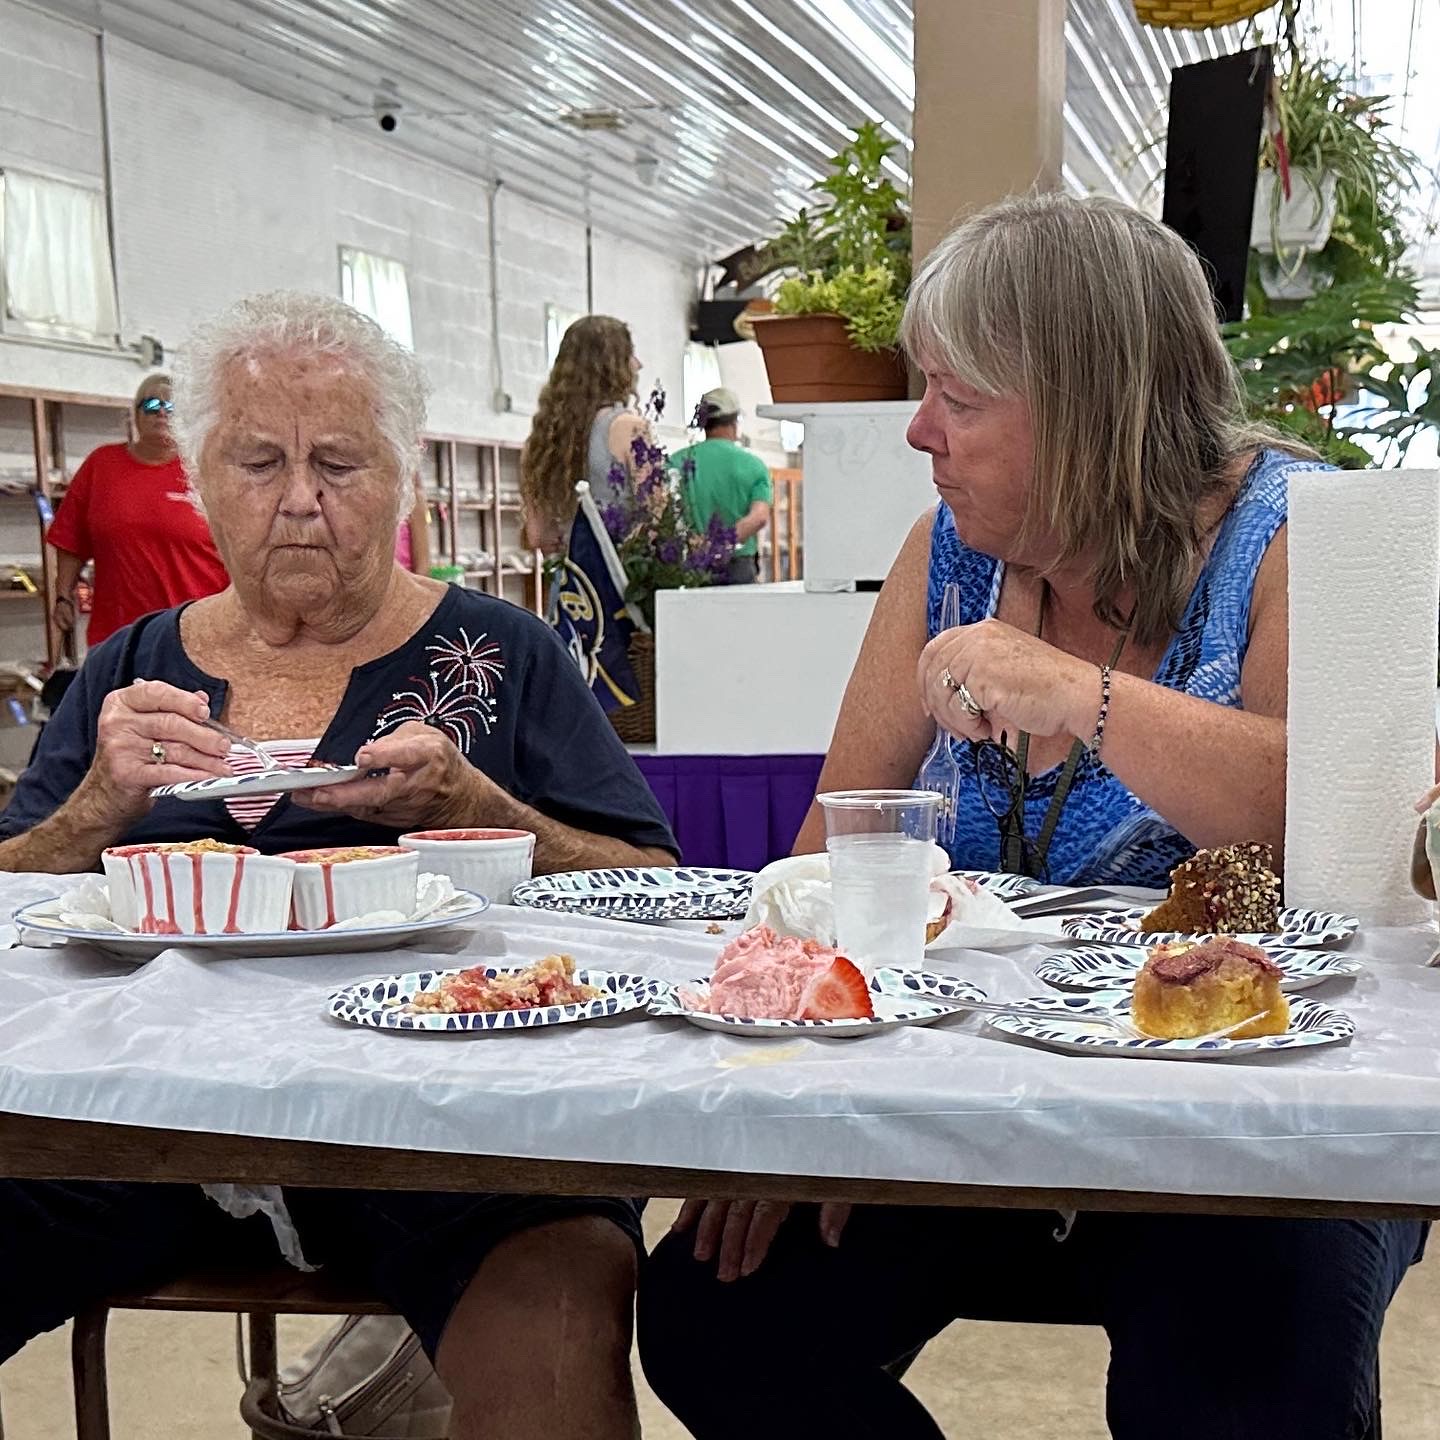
(836,320)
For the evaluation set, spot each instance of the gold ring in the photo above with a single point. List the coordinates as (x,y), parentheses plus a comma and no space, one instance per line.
(157,753)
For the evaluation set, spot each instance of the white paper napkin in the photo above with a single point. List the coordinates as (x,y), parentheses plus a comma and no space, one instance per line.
(1364,553)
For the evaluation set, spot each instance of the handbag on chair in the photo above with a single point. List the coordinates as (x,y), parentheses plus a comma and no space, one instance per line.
(368,1376)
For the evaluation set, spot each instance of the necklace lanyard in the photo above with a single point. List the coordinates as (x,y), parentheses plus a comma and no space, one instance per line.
(1013,857)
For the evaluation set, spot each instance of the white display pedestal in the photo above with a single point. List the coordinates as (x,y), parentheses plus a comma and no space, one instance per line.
(753,669)
(864,489)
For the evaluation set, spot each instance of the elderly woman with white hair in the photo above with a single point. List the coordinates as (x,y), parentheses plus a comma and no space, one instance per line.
(299,423)
(1111,677)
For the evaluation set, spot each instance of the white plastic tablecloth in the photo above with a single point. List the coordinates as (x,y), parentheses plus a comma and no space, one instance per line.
(244,1047)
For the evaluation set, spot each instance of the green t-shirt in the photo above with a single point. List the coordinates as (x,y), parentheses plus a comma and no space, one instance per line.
(728,480)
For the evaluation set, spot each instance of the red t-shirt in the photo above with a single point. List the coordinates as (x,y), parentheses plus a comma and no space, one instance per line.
(151,546)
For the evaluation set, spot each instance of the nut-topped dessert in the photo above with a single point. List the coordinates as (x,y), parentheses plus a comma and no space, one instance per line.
(1232,890)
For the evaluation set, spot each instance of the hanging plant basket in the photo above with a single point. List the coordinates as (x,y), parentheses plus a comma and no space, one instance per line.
(1297,280)
(1197,14)
(810,358)
(1279,226)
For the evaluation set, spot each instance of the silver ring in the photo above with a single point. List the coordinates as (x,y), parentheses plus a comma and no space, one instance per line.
(961,691)
(157,753)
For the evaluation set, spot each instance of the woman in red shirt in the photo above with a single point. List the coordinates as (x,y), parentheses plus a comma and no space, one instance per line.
(130,510)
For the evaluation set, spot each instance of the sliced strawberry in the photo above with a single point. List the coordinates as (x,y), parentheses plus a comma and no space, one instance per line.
(840,993)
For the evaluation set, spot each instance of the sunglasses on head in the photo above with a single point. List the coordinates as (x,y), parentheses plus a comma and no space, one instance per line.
(154,405)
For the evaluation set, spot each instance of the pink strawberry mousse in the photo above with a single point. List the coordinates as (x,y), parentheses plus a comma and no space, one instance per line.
(764,976)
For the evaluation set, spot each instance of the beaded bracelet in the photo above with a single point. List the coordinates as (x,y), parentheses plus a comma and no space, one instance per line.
(1098,738)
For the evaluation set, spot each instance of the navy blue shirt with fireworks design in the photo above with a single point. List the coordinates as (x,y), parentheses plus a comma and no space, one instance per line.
(490,676)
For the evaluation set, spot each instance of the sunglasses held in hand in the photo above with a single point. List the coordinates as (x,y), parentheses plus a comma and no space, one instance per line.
(153,405)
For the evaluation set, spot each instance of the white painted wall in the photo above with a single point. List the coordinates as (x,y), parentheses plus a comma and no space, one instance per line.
(218,192)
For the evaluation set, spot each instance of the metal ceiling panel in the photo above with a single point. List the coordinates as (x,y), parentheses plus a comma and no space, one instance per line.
(728,110)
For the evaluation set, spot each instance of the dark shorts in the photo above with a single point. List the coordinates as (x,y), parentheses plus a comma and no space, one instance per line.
(64,1246)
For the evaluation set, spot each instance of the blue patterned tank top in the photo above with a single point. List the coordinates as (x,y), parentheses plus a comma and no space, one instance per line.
(1105,833)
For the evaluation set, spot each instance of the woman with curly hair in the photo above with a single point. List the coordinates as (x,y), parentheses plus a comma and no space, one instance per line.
(584,423)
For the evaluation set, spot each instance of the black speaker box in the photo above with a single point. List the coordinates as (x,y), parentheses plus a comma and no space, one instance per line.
(1211,158)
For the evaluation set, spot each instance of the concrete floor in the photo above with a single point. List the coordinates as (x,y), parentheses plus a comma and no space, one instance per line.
(174,1375)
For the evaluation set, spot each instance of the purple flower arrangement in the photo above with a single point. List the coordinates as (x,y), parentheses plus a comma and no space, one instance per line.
(651,530)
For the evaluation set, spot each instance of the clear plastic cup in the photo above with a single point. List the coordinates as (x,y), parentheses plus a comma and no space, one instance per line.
(879,842)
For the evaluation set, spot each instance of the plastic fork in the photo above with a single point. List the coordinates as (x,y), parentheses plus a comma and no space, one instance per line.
(267,761)
(1114,1022)
(940,754)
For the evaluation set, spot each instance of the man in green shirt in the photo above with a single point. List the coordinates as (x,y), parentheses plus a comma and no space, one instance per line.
(728,481)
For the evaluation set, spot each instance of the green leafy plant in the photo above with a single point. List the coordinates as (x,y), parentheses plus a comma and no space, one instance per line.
(853,255)
(1328,130)
(1300,360)
(866,298)
(1406,400)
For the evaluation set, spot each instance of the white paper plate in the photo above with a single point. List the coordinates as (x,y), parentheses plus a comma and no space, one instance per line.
(1298,928)
(1109,967)
(1310,1024)
(381,1003)
(900,997)
(41,918)
(648,893)
(266,782)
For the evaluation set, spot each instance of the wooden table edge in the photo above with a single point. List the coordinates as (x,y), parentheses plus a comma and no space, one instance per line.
(40,1148)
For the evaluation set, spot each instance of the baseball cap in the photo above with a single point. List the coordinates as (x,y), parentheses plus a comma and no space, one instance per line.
(720,403)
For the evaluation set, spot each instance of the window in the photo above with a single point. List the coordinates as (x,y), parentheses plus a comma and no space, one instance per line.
(701,373)
(56,279)
(557,321)
(376,286)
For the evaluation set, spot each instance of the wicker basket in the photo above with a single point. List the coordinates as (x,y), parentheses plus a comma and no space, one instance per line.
(1197,14)
(635,724)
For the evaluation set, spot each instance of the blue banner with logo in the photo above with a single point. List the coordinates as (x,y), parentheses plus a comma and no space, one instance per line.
(588,610)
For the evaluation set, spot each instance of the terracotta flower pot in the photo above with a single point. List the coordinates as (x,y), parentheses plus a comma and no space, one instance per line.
(810,358)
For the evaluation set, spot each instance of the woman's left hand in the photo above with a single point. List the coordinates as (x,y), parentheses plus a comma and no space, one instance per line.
(430,784)
(1017,680)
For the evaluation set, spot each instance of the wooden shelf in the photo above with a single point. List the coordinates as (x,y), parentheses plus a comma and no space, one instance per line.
(20,595)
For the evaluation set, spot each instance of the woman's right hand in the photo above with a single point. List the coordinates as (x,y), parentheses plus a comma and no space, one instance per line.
(63,613)
(150,734)
(741,1231)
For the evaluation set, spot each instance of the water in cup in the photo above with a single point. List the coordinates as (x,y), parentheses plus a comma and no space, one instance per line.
(880,844)
(881,889)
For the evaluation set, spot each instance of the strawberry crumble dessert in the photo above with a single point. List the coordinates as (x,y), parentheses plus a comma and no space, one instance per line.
(761,975)
(550,981)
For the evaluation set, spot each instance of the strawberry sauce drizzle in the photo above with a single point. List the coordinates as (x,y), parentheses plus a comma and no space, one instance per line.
(232,915)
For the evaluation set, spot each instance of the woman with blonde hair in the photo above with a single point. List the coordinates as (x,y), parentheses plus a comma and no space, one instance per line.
(584,423)
(1110,679)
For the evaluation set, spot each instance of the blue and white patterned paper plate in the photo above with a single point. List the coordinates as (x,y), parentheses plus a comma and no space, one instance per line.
(1109,967)
(649,893)
(1298,928)
(1310,1024)
(381,1003)
(900,997)
(262,782)
(1003,887)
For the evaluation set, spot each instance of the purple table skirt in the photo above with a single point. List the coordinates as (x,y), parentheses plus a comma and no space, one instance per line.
(734,811)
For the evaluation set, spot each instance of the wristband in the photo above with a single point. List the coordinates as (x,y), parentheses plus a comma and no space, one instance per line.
(1098,738)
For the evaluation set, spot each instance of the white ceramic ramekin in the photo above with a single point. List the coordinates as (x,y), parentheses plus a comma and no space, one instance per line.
(488,862)
(172,890)
(335,884)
